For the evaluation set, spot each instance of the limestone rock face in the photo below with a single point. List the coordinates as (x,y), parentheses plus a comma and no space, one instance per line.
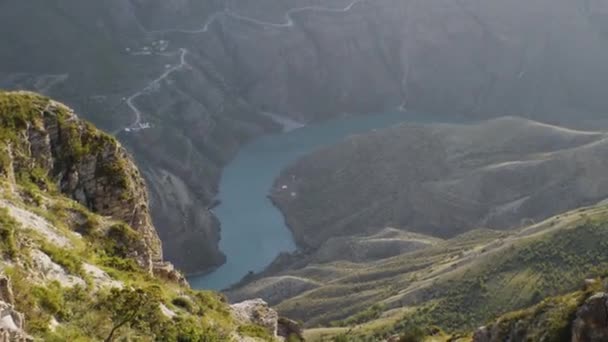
(288,328)
(6,291)
(591,320)
(12,322)
(87,165)
(256,311)
(166,270)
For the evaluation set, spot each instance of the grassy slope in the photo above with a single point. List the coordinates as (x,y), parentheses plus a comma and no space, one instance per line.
(522,269)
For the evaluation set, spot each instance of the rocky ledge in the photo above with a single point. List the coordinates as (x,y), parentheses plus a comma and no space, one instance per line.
(12,322)
(47,141)
(257,312)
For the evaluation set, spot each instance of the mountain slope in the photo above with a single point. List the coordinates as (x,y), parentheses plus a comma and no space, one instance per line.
(442,180)
(456,285)
(200,73)
(79,257)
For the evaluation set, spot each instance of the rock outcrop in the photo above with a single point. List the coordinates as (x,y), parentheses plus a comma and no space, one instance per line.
(591,324)
(84,163)
(12,322)
(166,270)
(87,165)
(290,330)
(256,311)
(78,246)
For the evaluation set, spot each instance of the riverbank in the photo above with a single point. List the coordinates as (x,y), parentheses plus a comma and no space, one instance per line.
(253,229)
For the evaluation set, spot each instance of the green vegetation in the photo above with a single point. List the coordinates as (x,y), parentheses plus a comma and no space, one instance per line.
(21,112)
(519,277)
(86,312)
(51,299)
(8,227)
(416,334)
(129,307)
(551,320)
(114,171)
(184,303)
(64,257)
(18,111)
(454,287)
(118,300)
(32,303)
(255,331)
(367,315)
(120,240)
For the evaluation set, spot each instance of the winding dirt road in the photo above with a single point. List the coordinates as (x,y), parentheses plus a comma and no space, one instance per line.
(289,22)
(151,86)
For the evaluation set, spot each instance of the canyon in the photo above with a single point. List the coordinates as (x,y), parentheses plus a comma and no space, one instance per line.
(452,58)
(371,168)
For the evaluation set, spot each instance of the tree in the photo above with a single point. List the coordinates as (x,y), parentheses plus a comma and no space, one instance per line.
(132,307)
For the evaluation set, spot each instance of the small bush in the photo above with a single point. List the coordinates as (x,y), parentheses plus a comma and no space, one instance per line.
(255,331)
(367,315)
(65,258)
(8,226)
(121,264)
(184,303)
(50,299)
(120,240)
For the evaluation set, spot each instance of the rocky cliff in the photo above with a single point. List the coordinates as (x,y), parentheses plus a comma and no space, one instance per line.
(47,142)
(200,73)
(79,257)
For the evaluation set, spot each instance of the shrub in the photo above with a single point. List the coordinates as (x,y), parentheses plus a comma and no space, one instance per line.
(8,226)
(367,315)
(65,258)
(120,240)
(255,331)
(186,329)
(184,303)
(132,308)
(50,299)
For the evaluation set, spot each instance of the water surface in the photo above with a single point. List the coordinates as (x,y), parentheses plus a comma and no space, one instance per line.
(253,230)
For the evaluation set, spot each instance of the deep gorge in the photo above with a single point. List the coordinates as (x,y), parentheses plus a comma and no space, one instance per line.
(380,55)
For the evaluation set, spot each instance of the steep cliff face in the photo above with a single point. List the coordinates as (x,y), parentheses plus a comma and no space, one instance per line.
(200,73)
(591,318)
(79,257)
(46,139)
